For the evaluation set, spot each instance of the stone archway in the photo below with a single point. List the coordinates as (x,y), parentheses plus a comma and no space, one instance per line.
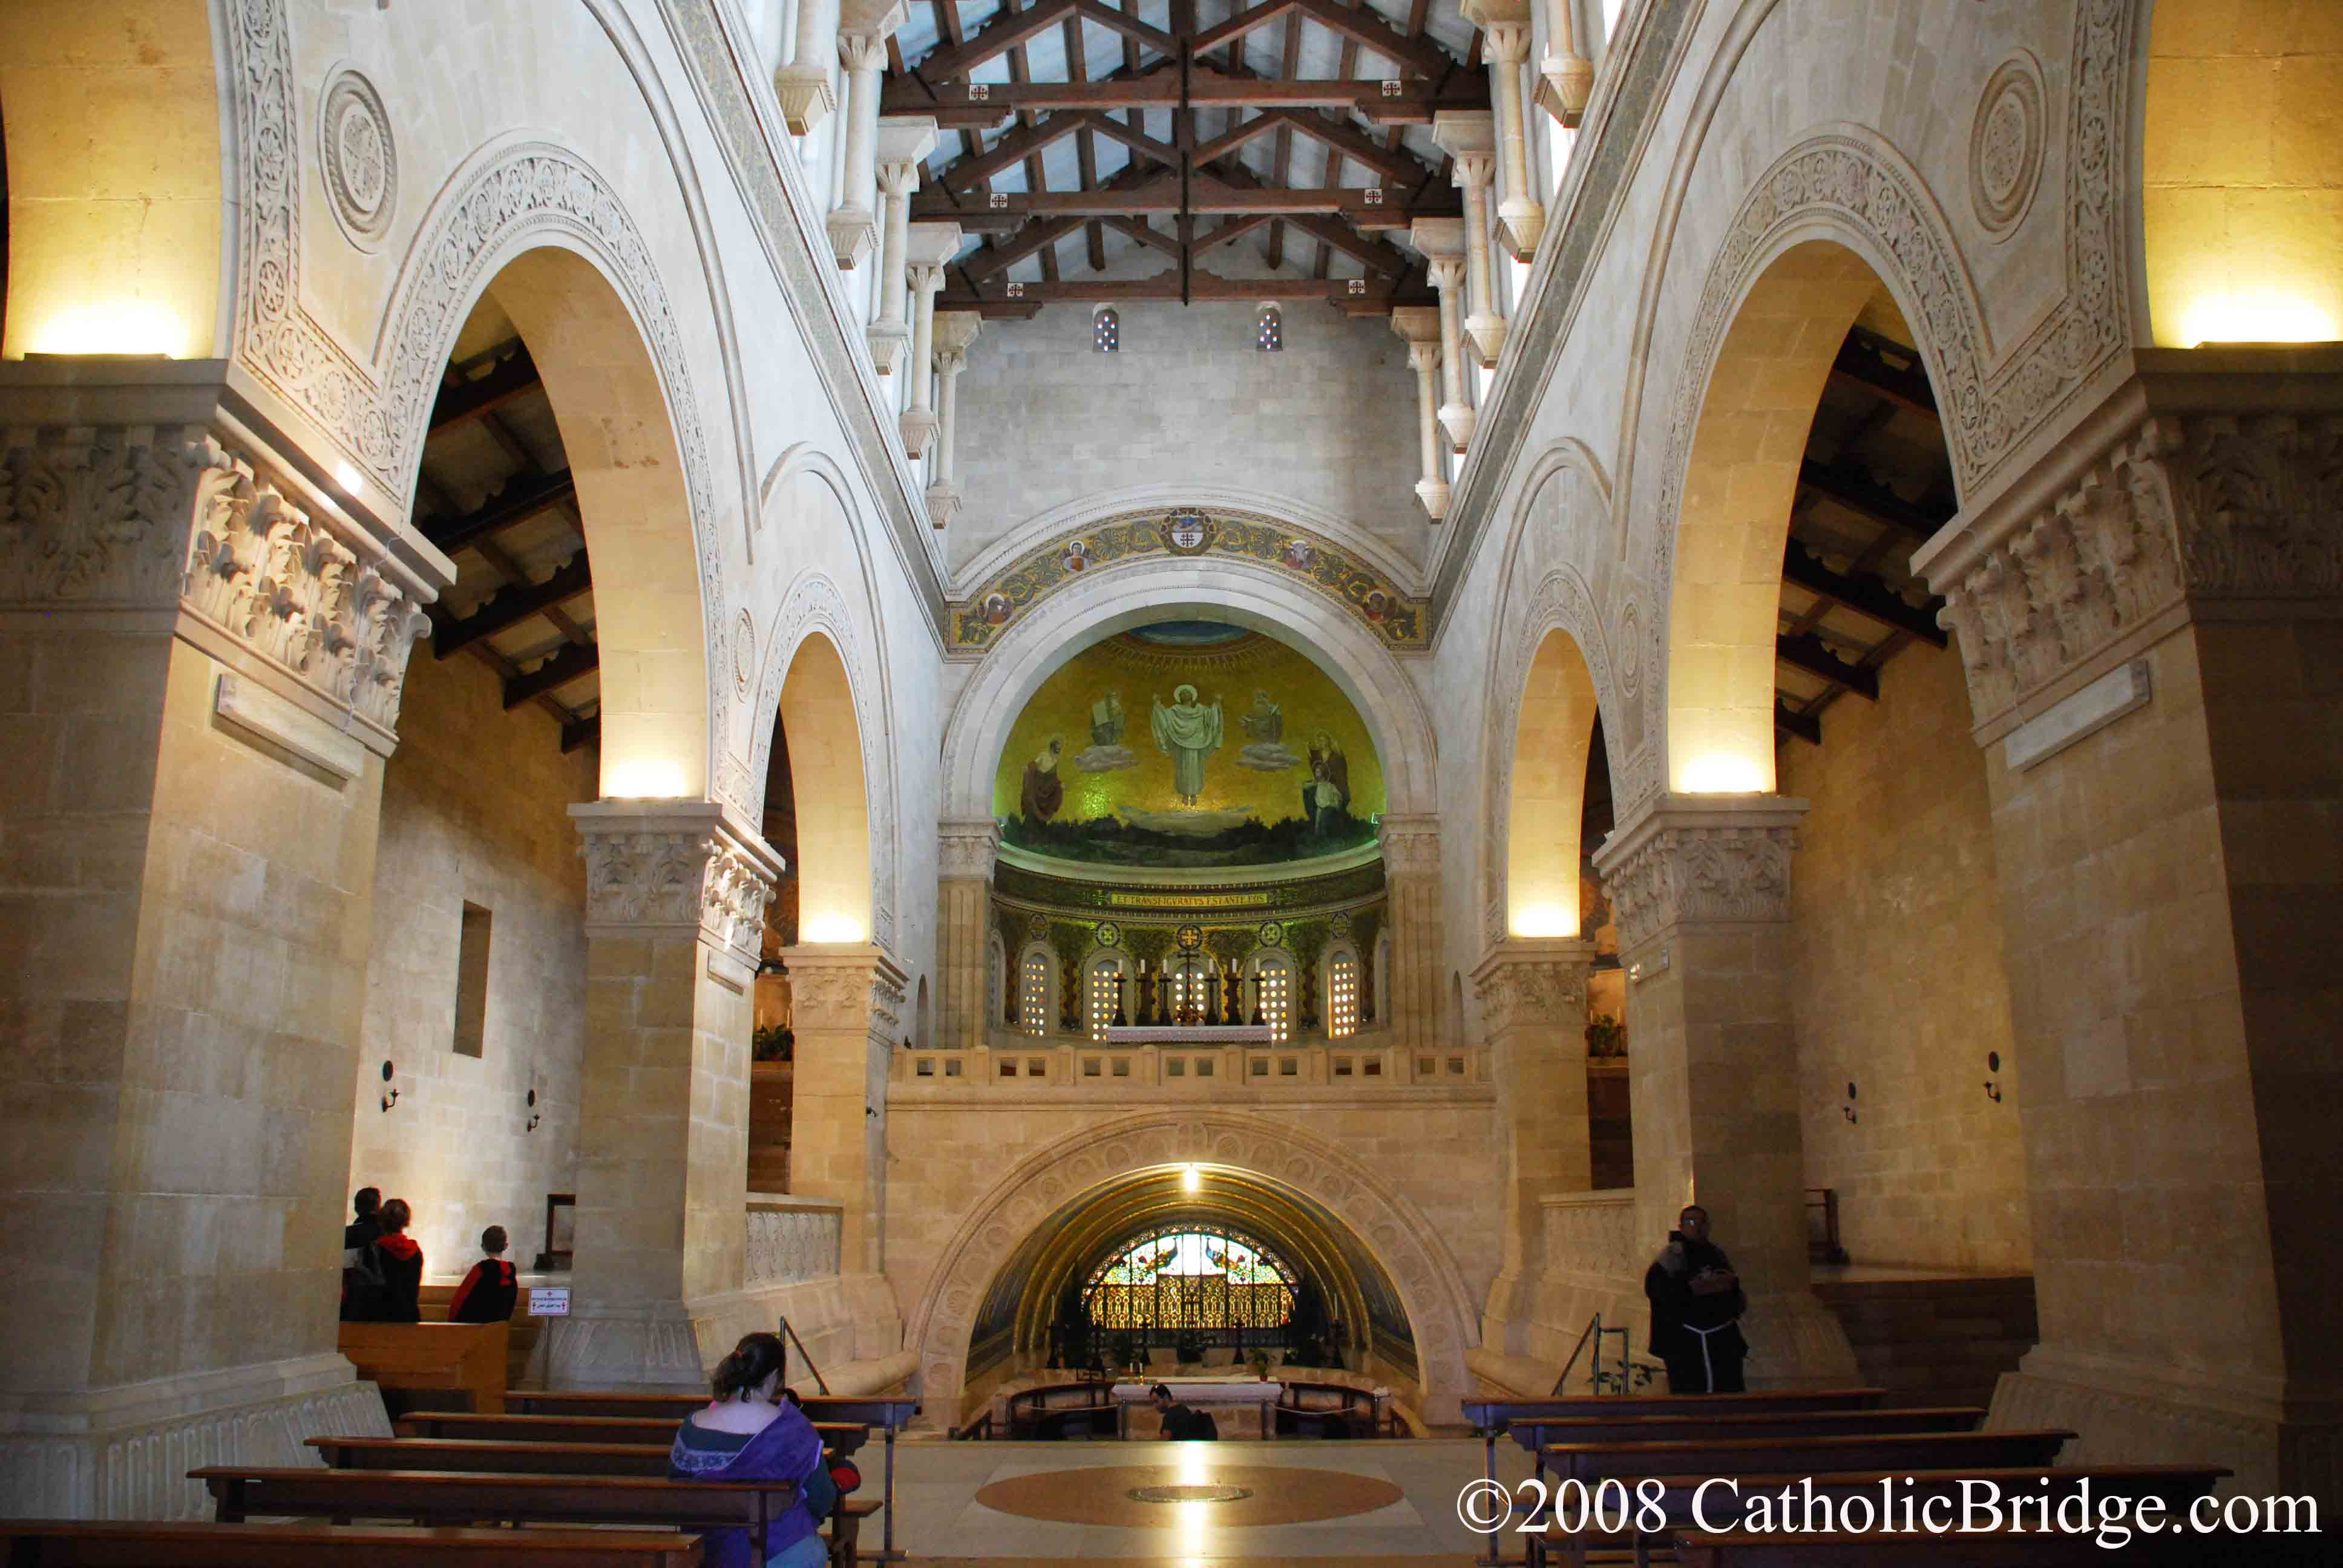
(1399,1237)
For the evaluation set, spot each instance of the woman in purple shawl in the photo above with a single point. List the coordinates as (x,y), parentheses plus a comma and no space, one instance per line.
(747,1433)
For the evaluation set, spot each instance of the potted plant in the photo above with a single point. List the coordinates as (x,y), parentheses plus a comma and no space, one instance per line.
(1607,1036)
(1261,1365)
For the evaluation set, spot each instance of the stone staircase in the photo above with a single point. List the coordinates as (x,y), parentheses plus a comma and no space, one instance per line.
(1934,1341)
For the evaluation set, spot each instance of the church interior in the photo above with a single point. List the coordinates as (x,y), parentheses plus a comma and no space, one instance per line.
(1283,678)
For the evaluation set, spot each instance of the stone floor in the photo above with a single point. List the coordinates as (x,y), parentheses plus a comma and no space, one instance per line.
(1292,1501)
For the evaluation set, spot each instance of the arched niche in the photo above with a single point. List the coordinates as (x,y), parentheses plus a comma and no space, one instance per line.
(1733,517)
(1552,738)
(834,811)
(2241,173)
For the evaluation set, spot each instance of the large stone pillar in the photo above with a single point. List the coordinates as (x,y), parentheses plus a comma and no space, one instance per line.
(1505,42)
(1470,138)
(964,856)
(1701,885)
(864,26)
(847,1003)
(1411,846)
(926,249)
(1532,994)
(803,85)
(201,660)
(954,331)
(675,914)
(2151,620)
(1419,326)
(1441,242)
(904,142)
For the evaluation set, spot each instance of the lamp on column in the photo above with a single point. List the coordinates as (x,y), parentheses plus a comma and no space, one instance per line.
(1505,44)
(904,141)
(1441,240)
(1470,138)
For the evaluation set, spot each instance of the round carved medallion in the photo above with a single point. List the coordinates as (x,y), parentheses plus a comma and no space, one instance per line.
(1631,649)
(358,157)
(744,652)
(2006,143)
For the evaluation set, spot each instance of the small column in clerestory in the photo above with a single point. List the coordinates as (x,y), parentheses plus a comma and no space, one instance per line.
(1470,139)
(1440,241)
(863,29)
(927,247)
(904,143)
(954,330)
(1505,42)
(1419,326)
(803,85)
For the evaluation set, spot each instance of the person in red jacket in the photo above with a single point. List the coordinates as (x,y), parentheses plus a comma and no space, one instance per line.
(490,1290)
(400,1259)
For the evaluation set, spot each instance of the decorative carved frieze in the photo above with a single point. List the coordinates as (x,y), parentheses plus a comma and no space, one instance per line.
(1533,984)
(146,516)
(674,864)
(791,1246)
(1411,844)
(965,851)
(845,990)
(2188,506)
(1694,858)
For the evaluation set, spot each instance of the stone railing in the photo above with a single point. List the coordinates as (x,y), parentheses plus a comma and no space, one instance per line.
(1370,1059)
(793,1240)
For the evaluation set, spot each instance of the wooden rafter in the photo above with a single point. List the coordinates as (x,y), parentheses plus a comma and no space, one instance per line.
(523,497)
(1157,87)
(509,606)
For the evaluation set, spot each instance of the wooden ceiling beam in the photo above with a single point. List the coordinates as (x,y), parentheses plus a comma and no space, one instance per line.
(1360,24)
(1131,28)
(1145,233)
(1811,654)
(1884,366)
(580,733)
(1235,228)
(1805,727)
(1159,88)
(1005,32)
(1280,157)
(1868,596)
(468,400)
(1130,136)
(523,497)
(963,174)
(1860,493)
(1238,25)
(572,663)
(1032,238)
(1237,136)
(1396,165)
(1167,284)
(509,606)
(1206,196)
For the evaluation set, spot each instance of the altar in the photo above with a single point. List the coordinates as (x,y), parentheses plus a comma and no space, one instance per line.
(1253,1402)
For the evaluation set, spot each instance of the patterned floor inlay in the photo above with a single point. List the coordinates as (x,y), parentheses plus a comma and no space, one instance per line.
(1232,1496)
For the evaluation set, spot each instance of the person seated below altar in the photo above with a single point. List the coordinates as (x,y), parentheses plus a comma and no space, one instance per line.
(1182,1424)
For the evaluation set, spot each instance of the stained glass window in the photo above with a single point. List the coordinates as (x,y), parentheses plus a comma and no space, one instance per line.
(1190,1279)
(1270,332)
(1033,994)
(1342,995)
(1106,330)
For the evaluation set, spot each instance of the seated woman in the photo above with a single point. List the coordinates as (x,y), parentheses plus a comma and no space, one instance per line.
(748,1433)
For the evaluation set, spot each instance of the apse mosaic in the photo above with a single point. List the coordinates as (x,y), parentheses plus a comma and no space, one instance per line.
(1400,621)
(1188,745)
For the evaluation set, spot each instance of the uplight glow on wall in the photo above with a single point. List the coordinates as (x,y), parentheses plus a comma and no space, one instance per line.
(644,779)
(1544,920)
(1721,773)
(831,929)
(1191,1179)
(2263,314)
(136,326)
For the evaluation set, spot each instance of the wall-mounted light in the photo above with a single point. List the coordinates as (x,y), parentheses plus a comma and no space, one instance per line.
(390,1095)
(534,1115)
(1847,1109)
(1993,1065)
(1191,1179)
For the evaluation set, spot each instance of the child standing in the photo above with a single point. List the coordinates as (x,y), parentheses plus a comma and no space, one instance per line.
(489,1291)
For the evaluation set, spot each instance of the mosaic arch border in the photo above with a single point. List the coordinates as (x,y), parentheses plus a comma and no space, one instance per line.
(1254,594)
(1563,601)
(506,196)
(1431,1291)
(1367,591)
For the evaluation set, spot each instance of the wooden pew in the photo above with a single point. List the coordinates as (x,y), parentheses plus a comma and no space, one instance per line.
(1881,1452)
(2005,1549)
(81,1543)
(434,1497)
(2175,1485)
(890,1413)
(397,1357)
(843,1438)
(474,1456)
(1535,1434)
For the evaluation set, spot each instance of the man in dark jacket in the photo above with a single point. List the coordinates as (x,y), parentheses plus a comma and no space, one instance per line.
(1182,1424)
(1697,1307)
(362,1282)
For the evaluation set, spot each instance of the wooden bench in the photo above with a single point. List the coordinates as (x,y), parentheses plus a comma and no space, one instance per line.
(1535,1434)
(1881,1452)
(843,1438)
(2175,1485)
(434,1497)
(2005,1549)
(1325,1409)
(81,1543)
(402,1357)
(890,1413)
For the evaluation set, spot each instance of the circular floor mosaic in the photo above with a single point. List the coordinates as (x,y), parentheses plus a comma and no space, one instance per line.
(1236,1496)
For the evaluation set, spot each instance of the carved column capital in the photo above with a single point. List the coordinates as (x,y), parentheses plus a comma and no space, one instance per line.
(844,987)
(2207,482)
(676,866)
(1508,43)
(965,851)
(1411,844)
(1701,857)
(128,489)
(1533,983)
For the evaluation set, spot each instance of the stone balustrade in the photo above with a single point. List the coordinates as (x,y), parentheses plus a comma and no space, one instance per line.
(793,1240)
(1370,1059)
